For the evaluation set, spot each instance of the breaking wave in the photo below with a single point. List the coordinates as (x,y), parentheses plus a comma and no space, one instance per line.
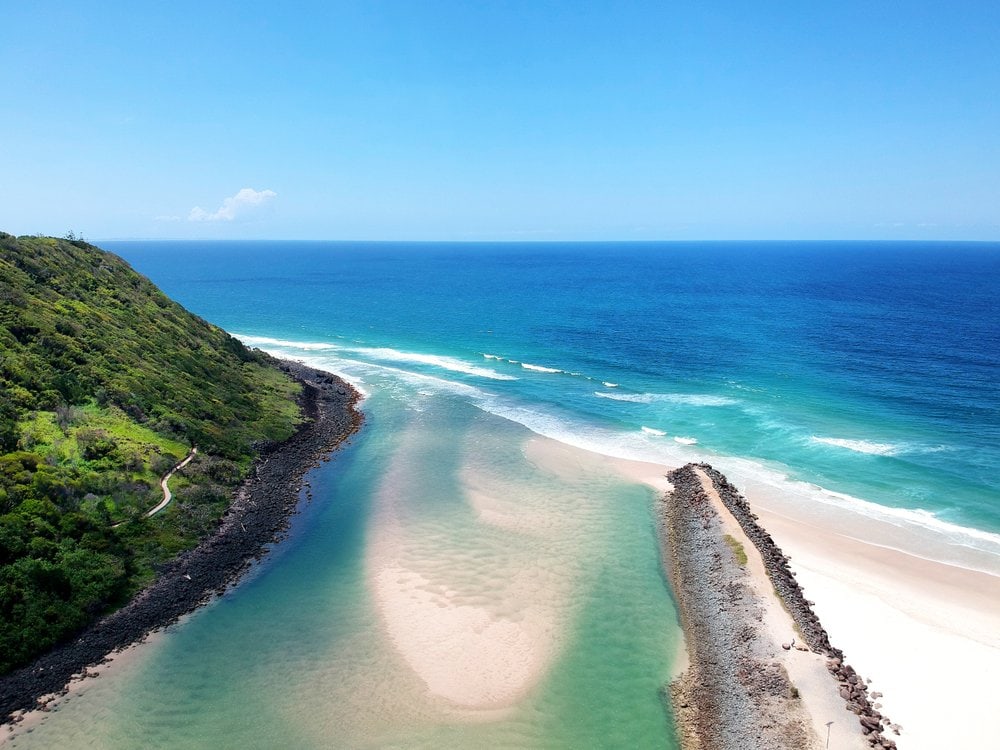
(860,446)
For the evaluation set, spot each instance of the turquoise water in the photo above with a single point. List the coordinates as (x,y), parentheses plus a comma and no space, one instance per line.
(465,520)
(871,369)
(304,655)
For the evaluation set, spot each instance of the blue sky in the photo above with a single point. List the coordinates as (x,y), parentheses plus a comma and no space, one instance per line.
(501,120)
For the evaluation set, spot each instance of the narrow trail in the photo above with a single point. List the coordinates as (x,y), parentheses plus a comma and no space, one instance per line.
(256,517)
(167,495)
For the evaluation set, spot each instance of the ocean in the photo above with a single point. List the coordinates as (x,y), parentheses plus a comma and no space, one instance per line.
(479,512)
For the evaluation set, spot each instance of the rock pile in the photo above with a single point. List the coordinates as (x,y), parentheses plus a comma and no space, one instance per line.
(734,696)
(852,688)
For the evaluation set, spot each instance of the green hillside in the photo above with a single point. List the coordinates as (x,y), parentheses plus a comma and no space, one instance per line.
(105,384)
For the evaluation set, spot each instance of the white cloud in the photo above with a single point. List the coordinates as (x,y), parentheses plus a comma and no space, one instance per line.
(233,206)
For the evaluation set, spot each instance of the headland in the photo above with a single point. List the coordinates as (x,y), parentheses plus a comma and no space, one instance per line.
(256,518)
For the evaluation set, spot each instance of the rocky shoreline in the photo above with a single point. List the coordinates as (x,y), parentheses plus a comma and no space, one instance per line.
(733,696)
(256,518)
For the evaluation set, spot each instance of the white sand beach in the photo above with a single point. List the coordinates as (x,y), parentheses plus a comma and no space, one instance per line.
(925,633)
(807,671)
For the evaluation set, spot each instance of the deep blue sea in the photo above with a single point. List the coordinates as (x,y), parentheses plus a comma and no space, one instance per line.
(871,369)
(465,520)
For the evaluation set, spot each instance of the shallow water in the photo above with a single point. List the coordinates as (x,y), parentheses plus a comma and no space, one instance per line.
(834,378)
(444,588)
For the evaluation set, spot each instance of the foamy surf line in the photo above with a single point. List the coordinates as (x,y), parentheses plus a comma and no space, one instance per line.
(533,367)
(917,521)
(859,446)
(541,368)
(873,448)
(280,349)
(386,354)
(642,448)
(638,446)
(352,370)
(432,360)
(684,399)
(262,341)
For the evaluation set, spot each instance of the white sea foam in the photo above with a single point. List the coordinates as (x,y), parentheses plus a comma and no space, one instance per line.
(637,398)
(355,372)
(653,431)
(533,367)
(540,368)
(446,363)
(950,536)
(325,363)
(742,470)
(686,399)
(380,353)
(328,356)
(418,380)
(860,446)
(694,399)
(631,445)
(262,341)
(606,384)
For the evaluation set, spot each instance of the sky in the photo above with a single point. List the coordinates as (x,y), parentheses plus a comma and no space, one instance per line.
(463,121)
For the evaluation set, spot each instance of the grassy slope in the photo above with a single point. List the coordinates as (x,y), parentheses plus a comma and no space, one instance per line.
(105,383)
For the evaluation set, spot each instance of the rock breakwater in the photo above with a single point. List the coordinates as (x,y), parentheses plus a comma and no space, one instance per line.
(733,696)
(690,526)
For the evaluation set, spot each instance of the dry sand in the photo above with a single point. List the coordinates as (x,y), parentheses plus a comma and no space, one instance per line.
(925,633)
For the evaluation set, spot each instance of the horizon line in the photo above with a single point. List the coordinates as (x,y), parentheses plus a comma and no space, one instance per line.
(533,242)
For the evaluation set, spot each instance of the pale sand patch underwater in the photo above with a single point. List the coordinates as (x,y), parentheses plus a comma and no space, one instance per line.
(466,654)
(477,606)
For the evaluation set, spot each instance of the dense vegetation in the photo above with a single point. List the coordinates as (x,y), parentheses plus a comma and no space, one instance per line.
(105,384)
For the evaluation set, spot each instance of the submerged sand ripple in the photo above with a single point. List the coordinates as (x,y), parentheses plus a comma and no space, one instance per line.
(475,603)
(466,654)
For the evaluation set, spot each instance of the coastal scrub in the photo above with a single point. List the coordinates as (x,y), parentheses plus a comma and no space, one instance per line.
(105,384)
